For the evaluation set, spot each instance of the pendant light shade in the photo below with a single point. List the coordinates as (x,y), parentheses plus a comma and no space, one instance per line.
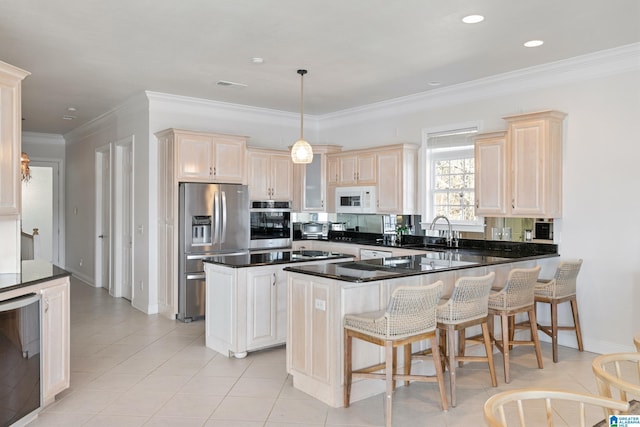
(301,152)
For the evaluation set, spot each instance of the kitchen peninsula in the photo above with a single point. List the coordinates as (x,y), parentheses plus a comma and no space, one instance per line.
(246,298)
(320,296)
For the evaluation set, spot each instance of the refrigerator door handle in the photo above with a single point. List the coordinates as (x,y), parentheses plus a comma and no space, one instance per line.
(216,217)
(223,233)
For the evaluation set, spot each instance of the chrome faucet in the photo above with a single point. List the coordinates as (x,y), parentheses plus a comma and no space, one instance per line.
(449,232)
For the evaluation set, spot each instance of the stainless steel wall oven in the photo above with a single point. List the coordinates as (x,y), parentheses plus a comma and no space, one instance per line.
(270,224)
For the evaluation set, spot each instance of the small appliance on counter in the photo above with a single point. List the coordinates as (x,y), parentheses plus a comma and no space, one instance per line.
(314,230)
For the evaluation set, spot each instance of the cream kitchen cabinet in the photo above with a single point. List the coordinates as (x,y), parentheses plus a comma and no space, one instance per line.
(312,180)
(266,307)
(396,179)
(355,168)
(10,134)
(205,157)
(492,179)
(536,163)
(270,175)
(55,338)
(520,175)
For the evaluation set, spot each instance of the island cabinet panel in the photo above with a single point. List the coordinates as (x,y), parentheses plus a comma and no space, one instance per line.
(262,307)
(221,311)
(55,339)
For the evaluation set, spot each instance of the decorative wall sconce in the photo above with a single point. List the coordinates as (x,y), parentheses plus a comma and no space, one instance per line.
(24,167)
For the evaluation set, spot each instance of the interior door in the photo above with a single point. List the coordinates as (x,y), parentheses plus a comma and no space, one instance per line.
(103,220)
(123,271)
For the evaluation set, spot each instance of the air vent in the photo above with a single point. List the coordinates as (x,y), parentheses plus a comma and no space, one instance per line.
(228,83)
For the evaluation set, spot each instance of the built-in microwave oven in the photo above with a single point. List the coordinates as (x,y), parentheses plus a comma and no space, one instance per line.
(356,199)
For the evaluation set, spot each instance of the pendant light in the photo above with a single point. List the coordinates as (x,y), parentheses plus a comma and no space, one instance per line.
(301,152)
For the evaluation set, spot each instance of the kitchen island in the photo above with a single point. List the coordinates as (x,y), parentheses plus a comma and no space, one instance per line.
(320,296)
(246,298)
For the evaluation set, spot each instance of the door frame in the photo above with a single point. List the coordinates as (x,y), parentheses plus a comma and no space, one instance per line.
(99,160)
(118,215)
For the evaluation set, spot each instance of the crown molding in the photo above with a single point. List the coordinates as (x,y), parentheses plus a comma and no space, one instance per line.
(586,67)
(42,138)
(184,104)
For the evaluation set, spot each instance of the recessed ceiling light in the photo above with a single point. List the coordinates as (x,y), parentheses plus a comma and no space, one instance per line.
(434,83)
(257,60)
(228,83)
(72,109)
(68,117)
(533,43)
(473,19)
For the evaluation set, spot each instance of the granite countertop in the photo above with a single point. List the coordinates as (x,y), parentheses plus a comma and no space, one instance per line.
(32,272)
(405,266)
(274,257)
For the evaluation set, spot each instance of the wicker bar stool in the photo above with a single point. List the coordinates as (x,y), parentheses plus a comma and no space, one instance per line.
(410,317)
(636,341)
(562,288)
(516,297)
(468,306)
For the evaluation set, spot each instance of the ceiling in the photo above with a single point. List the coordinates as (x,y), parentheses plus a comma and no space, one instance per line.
(92,55)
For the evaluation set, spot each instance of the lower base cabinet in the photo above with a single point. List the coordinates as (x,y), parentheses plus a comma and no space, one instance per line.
(246,308)
(55,339)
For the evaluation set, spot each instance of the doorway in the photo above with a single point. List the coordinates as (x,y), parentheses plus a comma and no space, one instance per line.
(41,209)
(114,218)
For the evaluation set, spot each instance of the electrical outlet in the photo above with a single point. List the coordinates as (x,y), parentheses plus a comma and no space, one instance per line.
(321,304)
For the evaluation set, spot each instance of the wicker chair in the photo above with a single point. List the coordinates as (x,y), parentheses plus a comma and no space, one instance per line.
(620,372)
(468,306)
(636,341)
(410,317)
(562,288)
(516,297)
(520,405)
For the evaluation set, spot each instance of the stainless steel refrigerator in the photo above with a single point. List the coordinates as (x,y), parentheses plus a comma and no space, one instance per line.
(214,220)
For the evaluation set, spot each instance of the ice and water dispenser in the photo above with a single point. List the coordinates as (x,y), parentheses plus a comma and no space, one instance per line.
(201,230)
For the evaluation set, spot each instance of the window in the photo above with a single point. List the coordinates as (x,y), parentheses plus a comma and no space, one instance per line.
(450,178)
(452,192)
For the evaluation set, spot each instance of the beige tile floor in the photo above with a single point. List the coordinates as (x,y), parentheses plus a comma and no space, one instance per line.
(130,369)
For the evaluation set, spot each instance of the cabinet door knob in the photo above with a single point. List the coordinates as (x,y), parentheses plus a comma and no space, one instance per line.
(477,203)
(274,279)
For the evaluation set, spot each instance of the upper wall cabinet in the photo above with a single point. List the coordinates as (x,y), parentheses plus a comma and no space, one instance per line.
(353,168)
(205,157)
(531,185)
(270,175)
(492,174)
(310,180)
(10,137)
(396,179)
